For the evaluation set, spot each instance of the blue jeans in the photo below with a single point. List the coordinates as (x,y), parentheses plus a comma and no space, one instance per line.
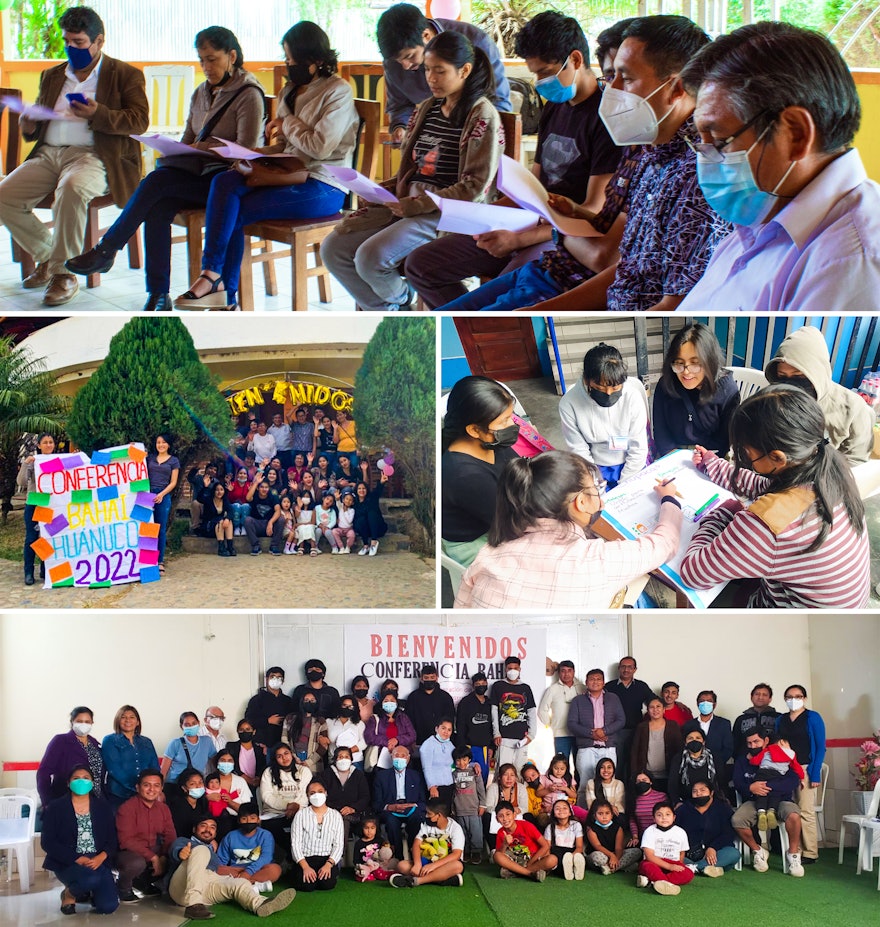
(239,511)
(522,287)
(728,857)
(31,534)
(81,881)
(160,515)
(232,205)
(155,203)
(566,746)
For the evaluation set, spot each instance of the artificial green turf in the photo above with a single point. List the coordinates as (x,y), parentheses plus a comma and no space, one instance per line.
(828,896)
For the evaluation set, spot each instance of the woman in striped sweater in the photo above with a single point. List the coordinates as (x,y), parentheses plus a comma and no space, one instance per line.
(802,541)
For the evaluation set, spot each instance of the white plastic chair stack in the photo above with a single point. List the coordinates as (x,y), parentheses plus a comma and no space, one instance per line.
(17,836)
(864,859)
(169,88)
(820,804)
(748,380)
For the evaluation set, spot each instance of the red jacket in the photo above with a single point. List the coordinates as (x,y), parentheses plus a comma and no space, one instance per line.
(146,831)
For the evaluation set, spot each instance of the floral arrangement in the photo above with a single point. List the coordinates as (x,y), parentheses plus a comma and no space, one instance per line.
(867,767)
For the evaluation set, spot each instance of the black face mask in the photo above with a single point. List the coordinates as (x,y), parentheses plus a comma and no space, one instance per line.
(481,689)
(247,828)
(664,829)
(701,800)
(246,736)
(314,675)
(754,751)
(504,437)
(309,708)
(800,382)
(693,746)
(299,74)
(533,784)
(604,399)
(429,685)
(642,788)
(360,693)
(347,712)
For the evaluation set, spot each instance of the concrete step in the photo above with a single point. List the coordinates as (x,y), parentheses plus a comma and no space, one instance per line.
(193,544)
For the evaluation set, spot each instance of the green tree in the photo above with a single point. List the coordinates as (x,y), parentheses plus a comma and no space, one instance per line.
(394,405)
(28,404)
(35,24)
(152,382)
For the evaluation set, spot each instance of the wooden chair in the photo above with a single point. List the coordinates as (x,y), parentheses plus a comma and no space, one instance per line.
(304,236)
(93,230)
(512,125)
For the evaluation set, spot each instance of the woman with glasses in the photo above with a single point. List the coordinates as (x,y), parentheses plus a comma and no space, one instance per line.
(539,553)
(695,397)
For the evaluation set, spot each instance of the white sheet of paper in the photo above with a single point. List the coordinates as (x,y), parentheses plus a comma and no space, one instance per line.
(361,185)
(631,508)
(166,145)
(238,152)
(475,218)
(526,191)
(31,110)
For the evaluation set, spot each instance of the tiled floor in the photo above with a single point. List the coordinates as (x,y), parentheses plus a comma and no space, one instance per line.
(123,288)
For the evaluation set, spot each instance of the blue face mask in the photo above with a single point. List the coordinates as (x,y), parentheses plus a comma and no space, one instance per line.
(79,58)
(197,793)
(81,786)
(399,763)
(225,768)
(191,731)
(604,826)
(730,187)
(706,708)
(553,90)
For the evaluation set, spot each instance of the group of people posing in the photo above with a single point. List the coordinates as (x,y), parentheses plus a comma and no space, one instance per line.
(215,820)
(794,536)
(709,175)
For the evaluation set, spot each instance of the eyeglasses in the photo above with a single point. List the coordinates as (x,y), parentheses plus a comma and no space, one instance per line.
(679,367)
(714,151)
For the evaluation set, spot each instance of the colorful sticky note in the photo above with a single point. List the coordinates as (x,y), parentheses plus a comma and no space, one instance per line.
(71,461)
(105,585)
(81,496)
(38,498)
(42,548)
(99,458)
(139,486)
(64,582)
(62,571)
(119,453)
(149,530)
(137,454)
(146,498)
(150,574)
(150,557)
(105,493)
(43,514)
(141,513)
(59,523)
(148,543)
(52,465)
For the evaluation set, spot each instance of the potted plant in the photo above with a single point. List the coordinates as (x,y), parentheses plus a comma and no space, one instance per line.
(867,773)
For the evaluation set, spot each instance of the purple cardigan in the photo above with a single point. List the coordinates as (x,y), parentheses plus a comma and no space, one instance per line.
(377,735)
(63,753)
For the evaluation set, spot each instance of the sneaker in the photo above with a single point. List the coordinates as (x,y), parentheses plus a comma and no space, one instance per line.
(260,887)
(150,890)
(274,551)
(568,866)
(642,881)
(772,821)
(507,874)
(345,550)
(128,897)
(276,904)
(374,549)
(580,866)
(810,860)
(760,860)
(256,551)
(476,859)
(289,550)
(455,880)
(605,870)
(335,550)
(363,551)
(666,888)
(399,880)
(198,912)
(795,868)
(762,820)
(713,872)
(540,875)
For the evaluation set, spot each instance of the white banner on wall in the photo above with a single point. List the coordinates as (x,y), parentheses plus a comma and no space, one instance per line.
(398,652)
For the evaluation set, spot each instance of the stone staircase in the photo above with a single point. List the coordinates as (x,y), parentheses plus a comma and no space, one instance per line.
(394,511)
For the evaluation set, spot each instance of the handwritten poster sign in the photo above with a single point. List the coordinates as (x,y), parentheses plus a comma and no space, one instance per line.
(95,517)
(398,652)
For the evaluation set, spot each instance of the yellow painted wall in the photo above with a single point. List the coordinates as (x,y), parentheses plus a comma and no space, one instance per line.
(868,138)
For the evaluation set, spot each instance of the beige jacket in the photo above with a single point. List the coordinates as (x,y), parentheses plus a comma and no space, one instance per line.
(242,122)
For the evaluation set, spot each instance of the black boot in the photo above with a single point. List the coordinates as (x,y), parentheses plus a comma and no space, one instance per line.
(221,549)
(28,579)
(230,546)
(158,302)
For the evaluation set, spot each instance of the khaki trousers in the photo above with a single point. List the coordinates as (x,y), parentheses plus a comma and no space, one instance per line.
(806,800)
(194,883)
(76,176)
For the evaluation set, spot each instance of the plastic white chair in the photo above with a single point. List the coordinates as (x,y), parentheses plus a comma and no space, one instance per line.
(867,834)
(17,836)
(169,88)
(819,807)
(748,380)
(858,820)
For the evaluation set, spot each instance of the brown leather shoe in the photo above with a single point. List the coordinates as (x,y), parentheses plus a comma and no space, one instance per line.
(39,278)
(62,288)
(198,912)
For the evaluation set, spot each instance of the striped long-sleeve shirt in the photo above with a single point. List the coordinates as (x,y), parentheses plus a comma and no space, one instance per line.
(768,541)
(311,837)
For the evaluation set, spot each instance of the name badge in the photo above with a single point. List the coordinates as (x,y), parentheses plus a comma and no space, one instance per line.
(618,442)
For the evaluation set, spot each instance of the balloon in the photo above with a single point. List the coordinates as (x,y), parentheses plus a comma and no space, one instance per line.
(389,470)
(389,457)
(380,464)
(445,9)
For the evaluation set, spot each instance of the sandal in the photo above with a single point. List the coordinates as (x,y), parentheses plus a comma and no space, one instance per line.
(215,298)
(162,569)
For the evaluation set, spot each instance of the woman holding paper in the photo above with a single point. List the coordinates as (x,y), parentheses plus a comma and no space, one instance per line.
(229,104)
(539,554)
(451,149)
(26,475)
(802,542)
(163,469)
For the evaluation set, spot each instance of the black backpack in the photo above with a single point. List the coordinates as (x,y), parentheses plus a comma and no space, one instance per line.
(531,104)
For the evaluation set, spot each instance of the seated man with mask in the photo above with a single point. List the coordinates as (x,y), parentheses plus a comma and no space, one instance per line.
(777,159)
